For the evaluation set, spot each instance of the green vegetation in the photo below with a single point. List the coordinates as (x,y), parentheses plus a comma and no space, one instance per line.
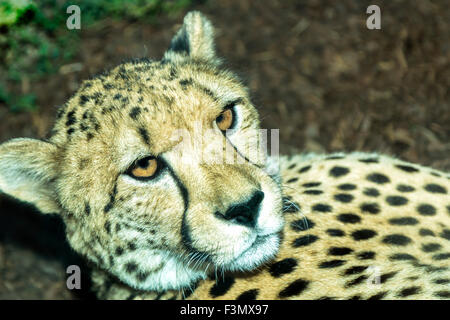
(34,40)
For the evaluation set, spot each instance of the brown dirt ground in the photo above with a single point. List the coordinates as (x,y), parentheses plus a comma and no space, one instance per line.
(316,73)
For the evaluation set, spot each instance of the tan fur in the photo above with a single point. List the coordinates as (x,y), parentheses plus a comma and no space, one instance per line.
(155,239)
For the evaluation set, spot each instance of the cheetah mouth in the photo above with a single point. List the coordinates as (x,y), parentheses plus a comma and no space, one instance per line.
(262,249)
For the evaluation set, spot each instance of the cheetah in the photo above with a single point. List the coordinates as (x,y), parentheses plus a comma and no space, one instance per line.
(158,217)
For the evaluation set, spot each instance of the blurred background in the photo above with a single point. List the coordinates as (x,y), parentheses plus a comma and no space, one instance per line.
(315,72)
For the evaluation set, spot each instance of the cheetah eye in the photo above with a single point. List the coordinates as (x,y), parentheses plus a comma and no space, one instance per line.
(226,119)
(145,168)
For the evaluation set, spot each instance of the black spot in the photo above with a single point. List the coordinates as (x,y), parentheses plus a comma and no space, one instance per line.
(117,96)
(321,207)
(371,192)
(142,276)
(83,100)
(118,227)
(304,169)
(372,208)
(348,218)
(311,184)
(378,296)
(112,197)
(131,246)
(442,294)
(339,171)
(87,208)
(426,210)
(335,232)
(369,160)
(70,131)
(441,256)
(111,260)
(313,192)
(83,127)
(435,188)
(343,197)
(378,178)
(173,74)
(108,207)
(304,241)
(295,288)
(431,247)
(445,234)
(404,221)
(334,158)
(108,227)
(302,224)
(396,200)
(347,186)
(71,118)
(290,206)
(119,251)
(407,168)
(397,239)
(385,277)
(144,134)
(332,264)
(208,92)
(134,113)
(185,82)
(248,295)
(108,86)
(356,281)
(405,188)
(363,234)
(221,286)
(282,267)
(426,232)
(131,267)
(409,291)
(354,270)
(366,255)
(441,281)
(292,180)
(292,166)
(339,251)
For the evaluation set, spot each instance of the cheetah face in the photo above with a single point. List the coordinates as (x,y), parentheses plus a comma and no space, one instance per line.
(157,169)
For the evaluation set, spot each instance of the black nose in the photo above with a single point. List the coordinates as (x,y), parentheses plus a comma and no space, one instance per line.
(245,213)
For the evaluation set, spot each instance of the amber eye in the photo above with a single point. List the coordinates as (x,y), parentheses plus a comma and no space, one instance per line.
(144,168)
(225,120)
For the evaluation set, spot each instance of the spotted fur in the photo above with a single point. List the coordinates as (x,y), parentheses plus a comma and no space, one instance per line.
(340,226)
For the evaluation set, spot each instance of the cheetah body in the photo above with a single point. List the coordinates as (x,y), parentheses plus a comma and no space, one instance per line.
(358,226)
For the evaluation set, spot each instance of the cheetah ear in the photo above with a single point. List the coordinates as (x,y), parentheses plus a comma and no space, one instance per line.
(28,172)
(195,40)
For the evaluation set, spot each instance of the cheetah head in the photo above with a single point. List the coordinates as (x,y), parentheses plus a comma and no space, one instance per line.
(157,169)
